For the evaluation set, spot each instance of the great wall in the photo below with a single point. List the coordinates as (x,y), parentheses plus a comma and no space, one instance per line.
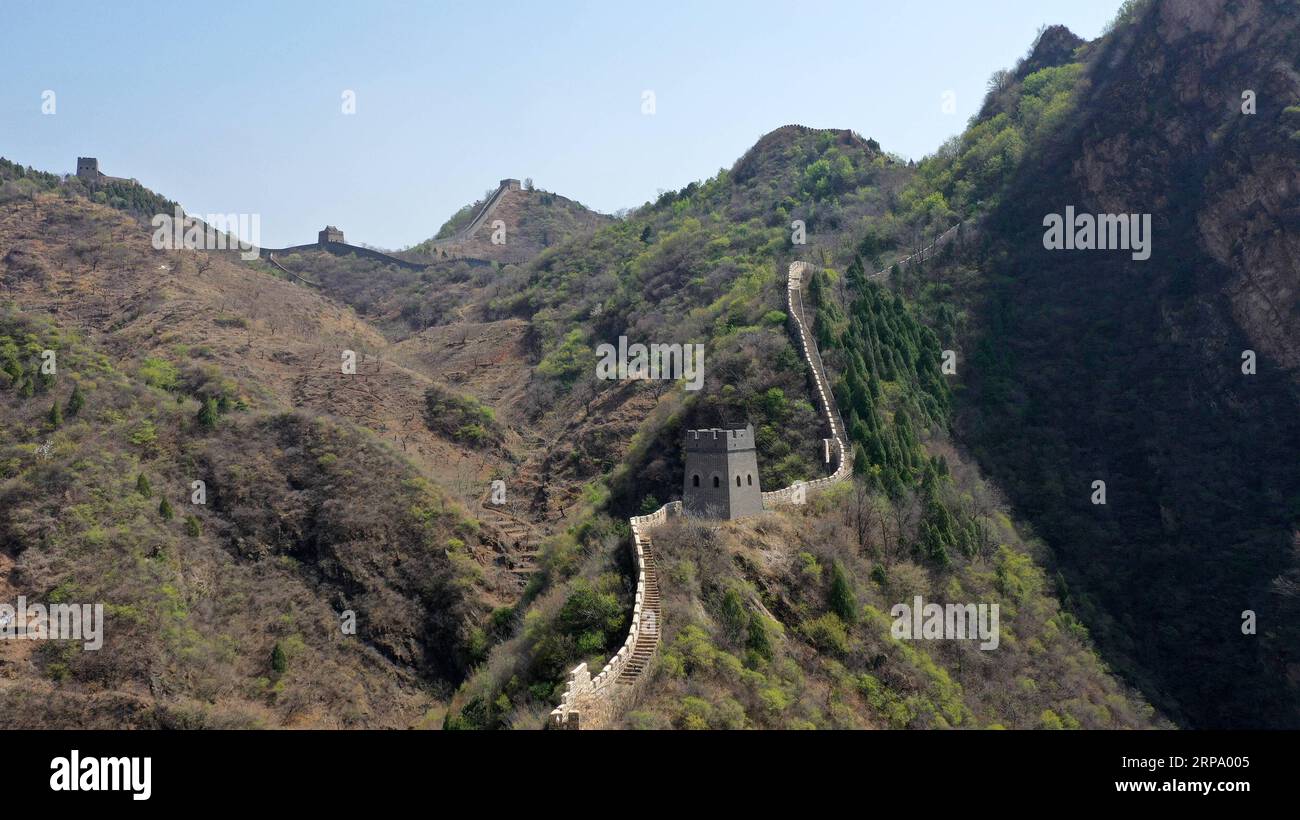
(595,703)
(489,207)
(331,241)
(953,233)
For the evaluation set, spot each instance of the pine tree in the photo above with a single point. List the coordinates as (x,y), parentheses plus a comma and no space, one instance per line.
(861,466)
(855,274)
(932,545)
(56,415)
(842,601)
(209,414)
(76,401)
(758,640)
(279,661)
(142,486)
(193,528)
(165,510)
(734,617)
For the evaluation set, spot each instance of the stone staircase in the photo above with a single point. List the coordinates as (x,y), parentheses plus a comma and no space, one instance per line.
(594,703)
(523,561)
(520,543)
(646,648)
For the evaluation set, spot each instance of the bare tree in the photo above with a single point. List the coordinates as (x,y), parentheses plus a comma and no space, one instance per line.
(859,515)
(907,512)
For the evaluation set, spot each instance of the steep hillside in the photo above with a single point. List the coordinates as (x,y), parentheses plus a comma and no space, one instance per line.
(703,265)
(784,622)
(229,612)
(698,265)
(1084,366)
(531,220)
(281,341)
(195,366)
(922,522)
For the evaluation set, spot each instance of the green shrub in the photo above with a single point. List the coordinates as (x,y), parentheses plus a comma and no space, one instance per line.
(809,567)
(144,434)
(590,617)
(76,401)
(828,634)
(695,713)
(759,641)
(158,373)
(209,414)
(733,617)
(462,418)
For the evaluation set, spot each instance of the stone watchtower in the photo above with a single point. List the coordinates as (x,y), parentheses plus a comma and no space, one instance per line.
(88,168)
(721,478)
(330,234)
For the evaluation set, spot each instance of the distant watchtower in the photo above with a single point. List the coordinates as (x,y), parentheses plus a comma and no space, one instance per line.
(721,478)
(330,234)
(88,168)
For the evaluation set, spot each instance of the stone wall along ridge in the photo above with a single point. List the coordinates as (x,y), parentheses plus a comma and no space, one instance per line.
(595,702)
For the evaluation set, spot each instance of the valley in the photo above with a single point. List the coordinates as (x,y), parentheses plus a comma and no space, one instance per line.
(939,361)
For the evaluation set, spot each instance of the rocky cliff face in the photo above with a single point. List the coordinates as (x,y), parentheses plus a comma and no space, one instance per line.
(1222,123)
(1130,372)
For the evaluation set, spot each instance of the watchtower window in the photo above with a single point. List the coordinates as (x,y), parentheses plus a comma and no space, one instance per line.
(737,479)
(715,481)
(695,481)
(749,479)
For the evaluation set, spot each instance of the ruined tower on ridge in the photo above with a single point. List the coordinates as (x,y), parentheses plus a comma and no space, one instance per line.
(721,478)
(330,234)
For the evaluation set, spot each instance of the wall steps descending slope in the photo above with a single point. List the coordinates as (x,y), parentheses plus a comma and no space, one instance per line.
(954,233)
(595,703)
(467,233)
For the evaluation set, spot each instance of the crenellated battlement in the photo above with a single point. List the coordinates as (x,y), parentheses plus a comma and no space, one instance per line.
(721,477)
(716,439)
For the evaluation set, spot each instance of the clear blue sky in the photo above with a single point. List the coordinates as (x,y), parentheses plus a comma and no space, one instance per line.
(235,107)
